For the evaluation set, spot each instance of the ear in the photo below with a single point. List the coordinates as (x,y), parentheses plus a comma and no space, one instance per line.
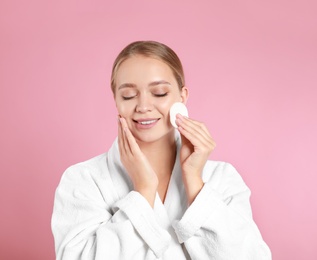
(184,94)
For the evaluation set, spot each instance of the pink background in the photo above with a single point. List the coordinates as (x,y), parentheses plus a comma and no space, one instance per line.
(251,67)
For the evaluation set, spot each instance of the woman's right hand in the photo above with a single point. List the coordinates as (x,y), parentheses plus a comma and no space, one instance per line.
(143,177)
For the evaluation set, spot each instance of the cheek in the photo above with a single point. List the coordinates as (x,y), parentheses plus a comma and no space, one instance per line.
(164,107)
(123,108)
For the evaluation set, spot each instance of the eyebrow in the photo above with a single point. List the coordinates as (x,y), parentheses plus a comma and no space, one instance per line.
(127,85)
(152,84)
(159,82)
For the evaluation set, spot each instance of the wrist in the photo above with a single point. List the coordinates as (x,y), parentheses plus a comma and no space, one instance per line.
(193,186)
(148,192)
(148,195)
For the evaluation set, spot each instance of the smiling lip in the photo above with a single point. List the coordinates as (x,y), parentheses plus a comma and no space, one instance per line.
(146,123)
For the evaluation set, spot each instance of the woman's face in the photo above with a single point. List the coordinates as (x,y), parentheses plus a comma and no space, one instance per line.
(145,90)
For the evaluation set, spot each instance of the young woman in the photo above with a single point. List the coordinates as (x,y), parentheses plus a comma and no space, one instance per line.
(154,194)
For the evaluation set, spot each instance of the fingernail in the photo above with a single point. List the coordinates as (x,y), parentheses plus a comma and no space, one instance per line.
(179,118)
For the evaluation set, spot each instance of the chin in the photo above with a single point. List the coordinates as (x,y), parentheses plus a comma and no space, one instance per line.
(153,137)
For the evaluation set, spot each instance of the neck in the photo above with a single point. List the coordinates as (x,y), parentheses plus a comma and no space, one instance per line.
(161,154)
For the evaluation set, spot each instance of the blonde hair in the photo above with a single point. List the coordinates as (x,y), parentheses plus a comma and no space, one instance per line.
(151,49)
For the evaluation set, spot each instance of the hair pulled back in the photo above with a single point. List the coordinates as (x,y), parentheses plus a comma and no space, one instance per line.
(150,49)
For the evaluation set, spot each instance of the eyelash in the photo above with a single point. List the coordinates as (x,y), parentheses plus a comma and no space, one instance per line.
(161,95)
(127,98)
(156,95)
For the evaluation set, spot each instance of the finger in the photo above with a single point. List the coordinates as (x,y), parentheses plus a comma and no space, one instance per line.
(120,135)
(121,140)
(133,145)
(193,138)
(198,138)
(125,143)
(198,126)
(195,131)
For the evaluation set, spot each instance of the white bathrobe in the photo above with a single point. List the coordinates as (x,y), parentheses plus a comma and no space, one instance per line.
(97,215)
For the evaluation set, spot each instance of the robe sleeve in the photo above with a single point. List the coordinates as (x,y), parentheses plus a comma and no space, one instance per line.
(85,227)
(219,224)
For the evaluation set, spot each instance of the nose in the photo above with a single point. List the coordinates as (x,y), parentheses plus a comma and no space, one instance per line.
(144,104)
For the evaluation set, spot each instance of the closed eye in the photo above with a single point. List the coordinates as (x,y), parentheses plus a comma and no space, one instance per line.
(160,95)
(127,98)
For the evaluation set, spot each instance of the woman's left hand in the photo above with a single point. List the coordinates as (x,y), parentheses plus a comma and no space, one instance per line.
(197,145)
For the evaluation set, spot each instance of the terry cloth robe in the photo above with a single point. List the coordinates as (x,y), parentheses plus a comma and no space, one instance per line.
(97,215)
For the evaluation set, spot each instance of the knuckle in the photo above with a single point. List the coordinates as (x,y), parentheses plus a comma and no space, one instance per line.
(202,126)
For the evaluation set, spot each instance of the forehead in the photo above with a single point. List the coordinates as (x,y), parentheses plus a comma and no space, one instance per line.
(140,67)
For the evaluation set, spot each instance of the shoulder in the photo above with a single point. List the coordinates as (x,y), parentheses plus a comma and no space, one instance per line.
(93,162)
(85,181)
(92,165)
(85,172)
(215,169)
(223,177)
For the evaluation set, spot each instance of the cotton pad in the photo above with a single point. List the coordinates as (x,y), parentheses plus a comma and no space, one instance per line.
(177,108)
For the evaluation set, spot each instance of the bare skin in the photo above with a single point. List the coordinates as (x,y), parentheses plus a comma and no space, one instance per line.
(146,89)
(145,168)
